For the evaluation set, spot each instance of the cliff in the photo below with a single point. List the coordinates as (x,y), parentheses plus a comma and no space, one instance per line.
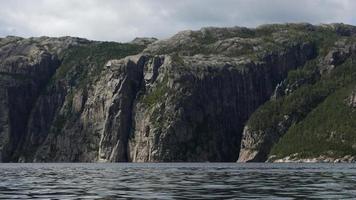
(216,94)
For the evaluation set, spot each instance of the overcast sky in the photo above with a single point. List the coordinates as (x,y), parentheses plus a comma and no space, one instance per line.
(123,20)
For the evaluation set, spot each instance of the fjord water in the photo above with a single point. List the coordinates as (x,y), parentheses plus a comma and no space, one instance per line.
(177,180)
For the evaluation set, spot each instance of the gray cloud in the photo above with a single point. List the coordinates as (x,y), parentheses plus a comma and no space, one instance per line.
(122,20)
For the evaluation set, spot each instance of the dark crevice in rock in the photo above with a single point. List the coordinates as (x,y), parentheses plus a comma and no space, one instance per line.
(21,100)
(113,145)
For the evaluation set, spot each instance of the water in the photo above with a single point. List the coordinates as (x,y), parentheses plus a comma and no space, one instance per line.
(178,181)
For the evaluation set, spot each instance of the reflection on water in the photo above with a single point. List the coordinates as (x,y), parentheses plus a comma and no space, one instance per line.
(178,180)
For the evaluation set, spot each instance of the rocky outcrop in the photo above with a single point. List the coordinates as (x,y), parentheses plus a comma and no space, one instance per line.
(351,100)
(337,55)
(320,159)
(143,41)
(187,98)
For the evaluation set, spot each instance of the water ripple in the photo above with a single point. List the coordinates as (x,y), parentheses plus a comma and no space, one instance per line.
(177,181)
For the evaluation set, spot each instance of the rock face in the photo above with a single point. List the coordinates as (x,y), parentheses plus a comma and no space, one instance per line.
(144,41)
(25,67)
(187,98)
(114,137)
(43,94)
(88,118)
(201,114)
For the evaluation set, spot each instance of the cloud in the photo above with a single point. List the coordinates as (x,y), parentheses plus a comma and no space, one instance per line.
(123,20)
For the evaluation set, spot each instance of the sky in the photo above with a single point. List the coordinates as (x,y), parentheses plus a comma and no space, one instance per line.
(123,20)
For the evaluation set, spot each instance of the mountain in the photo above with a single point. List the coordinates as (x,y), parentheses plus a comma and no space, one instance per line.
(279,92)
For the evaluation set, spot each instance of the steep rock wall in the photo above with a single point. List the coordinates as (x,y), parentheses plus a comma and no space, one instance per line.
(197,107)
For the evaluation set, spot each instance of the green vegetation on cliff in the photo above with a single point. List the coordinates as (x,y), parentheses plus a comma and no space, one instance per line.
(83,63)
(329,130)
(300,102)
(313,136)
(157,94)
(302,92)
(317,113)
